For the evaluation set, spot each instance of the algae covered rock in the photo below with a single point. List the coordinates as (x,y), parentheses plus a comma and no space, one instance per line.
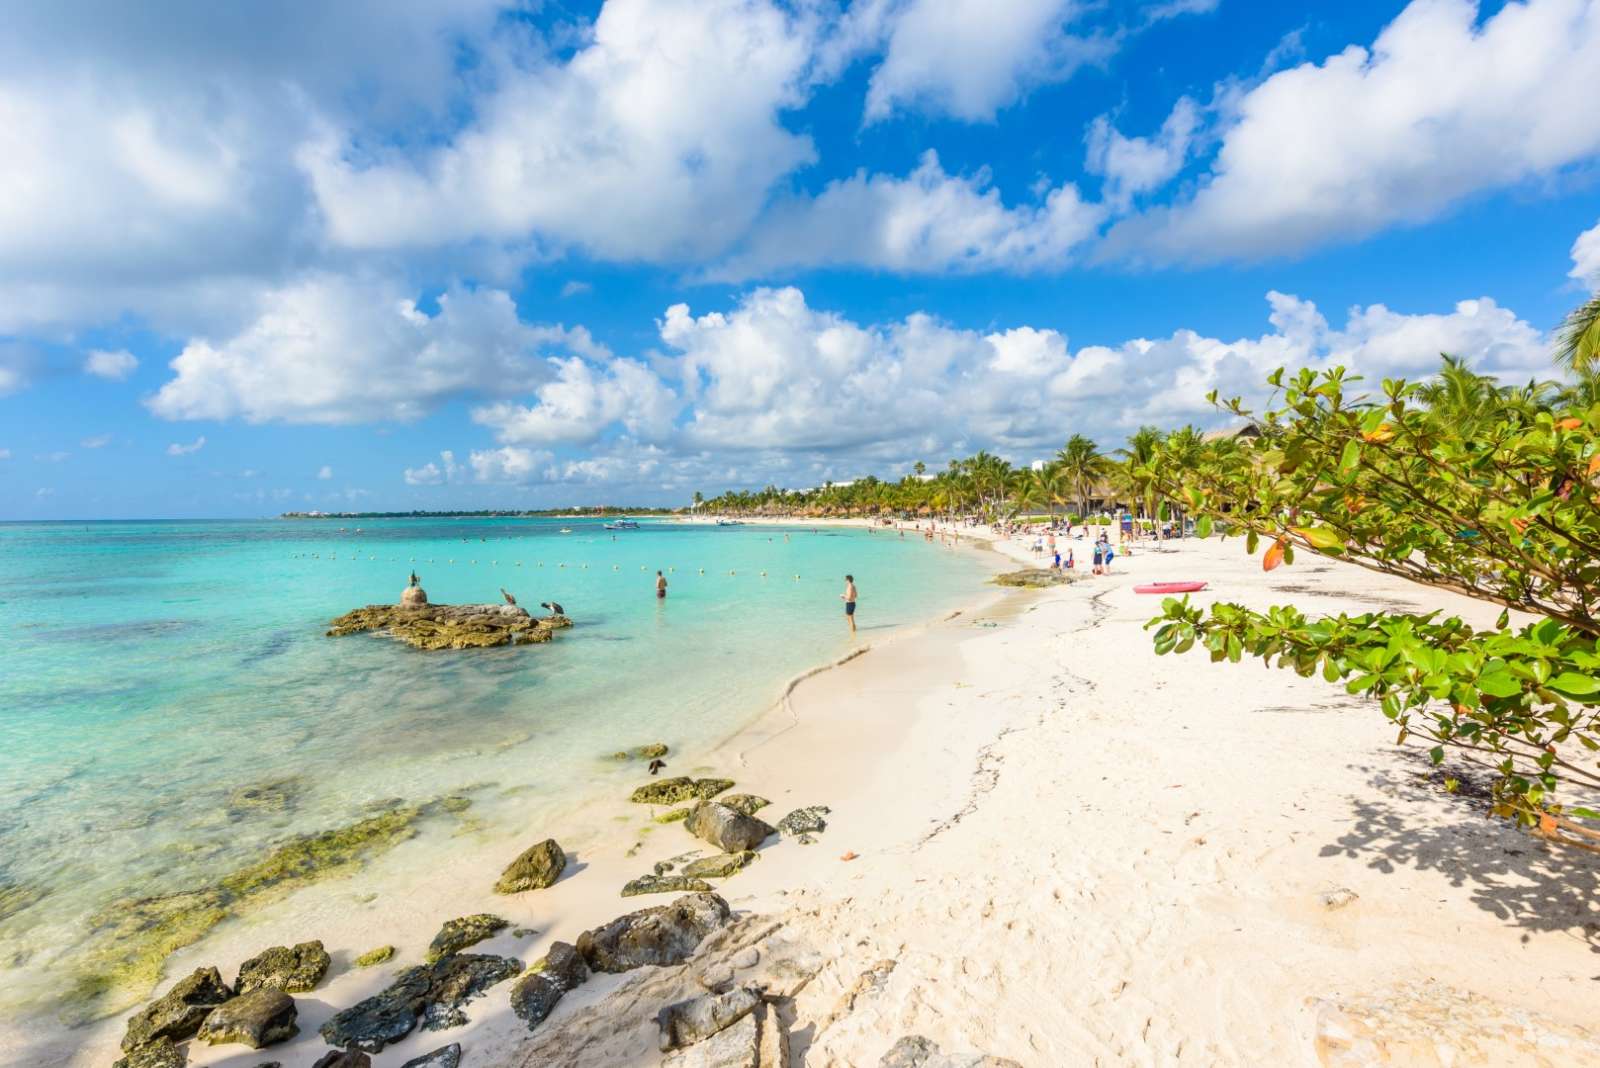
(256,1019)
(673,815)
(720,866)
(450,626)
(308,857)
(15,898)
(706,789)
(539,866)
(462,932)
(652,751)
(665,934)
(749,804)
(292,970)
(179,1012)
(664,884)
(274,795)
(374,956)
(443,1057)
(676,790)
(1033,578)
(161,1053)
(729,831)
(534,996)
(804,821)
(664,791)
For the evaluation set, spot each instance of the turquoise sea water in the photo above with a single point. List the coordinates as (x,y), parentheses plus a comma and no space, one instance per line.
(151,669)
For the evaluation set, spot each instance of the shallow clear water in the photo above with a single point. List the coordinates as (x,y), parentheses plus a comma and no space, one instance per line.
(151,669)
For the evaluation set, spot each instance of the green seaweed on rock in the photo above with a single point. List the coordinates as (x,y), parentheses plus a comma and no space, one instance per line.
(130,940)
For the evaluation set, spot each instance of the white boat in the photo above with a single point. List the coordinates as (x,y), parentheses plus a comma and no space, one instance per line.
(730,522)
(566,530)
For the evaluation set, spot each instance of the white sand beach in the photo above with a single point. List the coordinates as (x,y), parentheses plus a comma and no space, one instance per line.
(1065,851)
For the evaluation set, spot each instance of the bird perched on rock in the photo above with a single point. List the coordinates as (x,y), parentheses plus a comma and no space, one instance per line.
(414,580)
(657,765)
(510,600)
(555,609)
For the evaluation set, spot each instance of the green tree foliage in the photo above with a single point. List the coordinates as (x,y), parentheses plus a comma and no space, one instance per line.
(1453,484)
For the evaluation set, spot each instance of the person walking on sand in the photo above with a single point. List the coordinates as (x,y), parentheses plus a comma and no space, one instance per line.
(661,584)
(849,598)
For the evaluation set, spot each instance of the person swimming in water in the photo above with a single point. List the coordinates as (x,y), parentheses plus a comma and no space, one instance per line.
(849,598)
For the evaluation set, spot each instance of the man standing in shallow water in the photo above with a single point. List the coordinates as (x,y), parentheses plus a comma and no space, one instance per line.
(849,596)
(661,584)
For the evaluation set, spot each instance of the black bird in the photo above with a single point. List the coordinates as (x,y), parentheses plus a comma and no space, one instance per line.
(657,765)
(414,579)
(510,600)
(555,609)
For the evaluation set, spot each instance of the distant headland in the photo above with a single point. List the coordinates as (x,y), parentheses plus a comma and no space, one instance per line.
(490,513)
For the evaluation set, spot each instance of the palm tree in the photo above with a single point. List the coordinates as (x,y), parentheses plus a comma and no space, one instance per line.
(1081,465)
(1578,338)
(1460,397)
(1135,470)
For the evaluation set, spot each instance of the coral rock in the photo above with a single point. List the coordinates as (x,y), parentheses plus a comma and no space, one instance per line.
(665,934)
(179,1012)
(729,831)
(539,866)
(291,970)
(255,1019)
(534,996)
(462,932)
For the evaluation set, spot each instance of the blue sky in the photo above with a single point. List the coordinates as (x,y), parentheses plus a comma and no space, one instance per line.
(390,255)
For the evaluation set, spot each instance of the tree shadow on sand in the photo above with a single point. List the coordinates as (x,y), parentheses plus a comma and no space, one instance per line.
(1512,875)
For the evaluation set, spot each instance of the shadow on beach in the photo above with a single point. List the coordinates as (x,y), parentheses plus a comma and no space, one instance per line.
(1512,875)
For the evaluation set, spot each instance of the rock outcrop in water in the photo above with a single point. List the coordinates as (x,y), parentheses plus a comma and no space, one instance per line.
(450,626)
(131,939)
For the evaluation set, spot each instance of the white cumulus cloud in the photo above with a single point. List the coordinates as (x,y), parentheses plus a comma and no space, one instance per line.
(970,58)
(115,365)
(435,474)
(1586,258)
(335,349)
(928,222)
(658,139)
(1135,165)
(1440,108)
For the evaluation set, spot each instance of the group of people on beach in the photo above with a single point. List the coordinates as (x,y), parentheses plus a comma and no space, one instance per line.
(1103,553)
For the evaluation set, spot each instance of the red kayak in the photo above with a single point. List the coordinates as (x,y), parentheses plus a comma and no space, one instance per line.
(1170,587)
